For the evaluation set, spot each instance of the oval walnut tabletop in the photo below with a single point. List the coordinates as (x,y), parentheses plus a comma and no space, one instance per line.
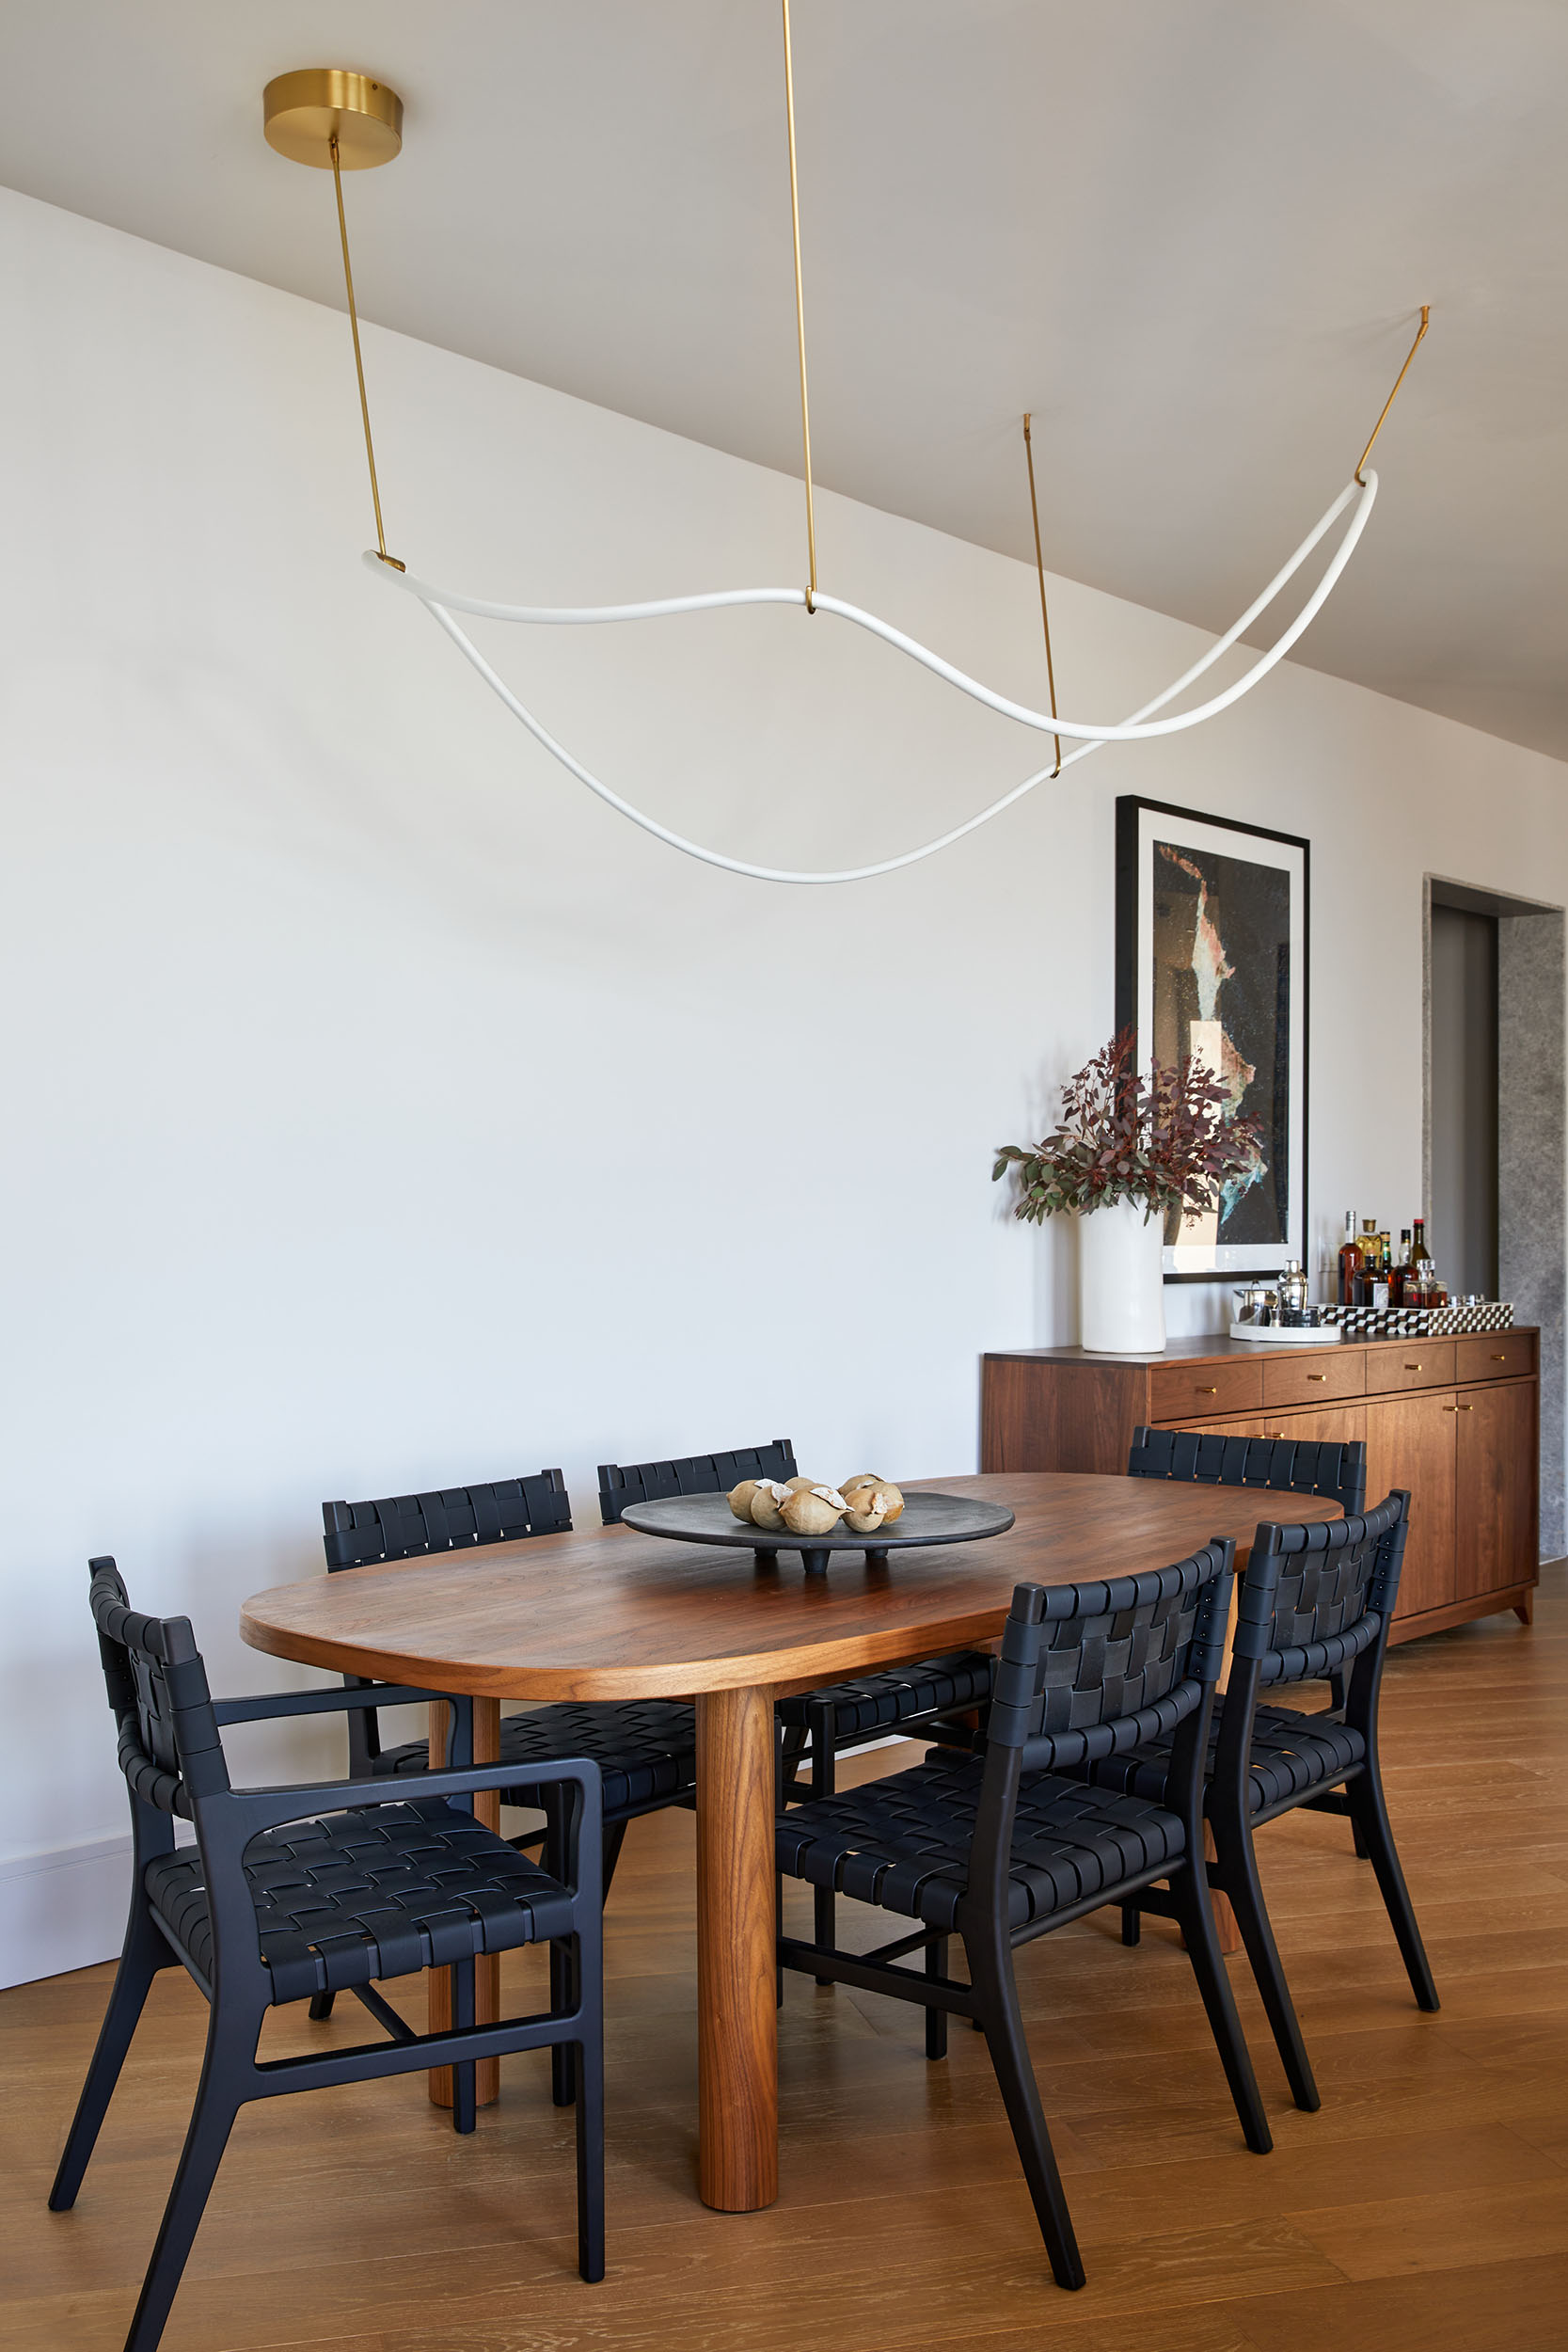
(613,1614)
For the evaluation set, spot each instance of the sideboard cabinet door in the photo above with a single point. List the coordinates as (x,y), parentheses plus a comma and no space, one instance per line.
(1412,1442)
(1497,1540)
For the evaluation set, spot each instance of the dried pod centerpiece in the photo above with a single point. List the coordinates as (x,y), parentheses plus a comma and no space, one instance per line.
(812,1510)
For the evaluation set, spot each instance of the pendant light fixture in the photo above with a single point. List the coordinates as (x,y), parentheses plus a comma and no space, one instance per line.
(342,122)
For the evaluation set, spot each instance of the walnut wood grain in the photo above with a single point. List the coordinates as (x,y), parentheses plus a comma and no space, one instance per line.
(1411,1441)
(737,2032)
(1496,1356)
(608,1614)
(1314,1375)
(1497,1442)
(1177,1389)
(1085,1423)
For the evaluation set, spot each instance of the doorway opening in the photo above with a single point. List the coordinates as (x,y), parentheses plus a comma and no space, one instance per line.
(1496,1141)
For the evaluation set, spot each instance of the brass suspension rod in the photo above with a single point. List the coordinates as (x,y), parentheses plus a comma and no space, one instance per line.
(359,362)
(1040,567)
(799,315)
(1426,314)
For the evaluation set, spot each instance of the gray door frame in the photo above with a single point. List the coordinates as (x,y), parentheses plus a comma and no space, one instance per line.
(1532,1143)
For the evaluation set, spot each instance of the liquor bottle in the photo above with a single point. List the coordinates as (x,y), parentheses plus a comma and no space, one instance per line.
(1349,1262)
(1402,1268)
(1374,1285)
(1421,1256)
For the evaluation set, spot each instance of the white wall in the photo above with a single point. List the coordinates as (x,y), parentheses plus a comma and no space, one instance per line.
(382,1110)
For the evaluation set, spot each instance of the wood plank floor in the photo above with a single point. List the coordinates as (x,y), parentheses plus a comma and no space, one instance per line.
(1424,2210)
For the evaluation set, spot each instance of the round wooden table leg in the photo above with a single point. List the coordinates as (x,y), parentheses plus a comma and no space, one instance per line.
(487,1968)
(737,2032)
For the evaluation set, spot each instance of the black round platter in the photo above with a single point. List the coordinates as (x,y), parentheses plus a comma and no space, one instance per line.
(925,1518)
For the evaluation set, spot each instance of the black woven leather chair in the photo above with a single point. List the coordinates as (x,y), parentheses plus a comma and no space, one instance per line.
(646,1749)
(274,1903)
(1000,1849)
(1300,1465)
(897,1699)
(1314,1601)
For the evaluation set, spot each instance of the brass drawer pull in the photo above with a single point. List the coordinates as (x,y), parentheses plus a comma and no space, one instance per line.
(1413,1367)
(1208,1391)
(1463,1408)
(1499,1360)
(1317,1375)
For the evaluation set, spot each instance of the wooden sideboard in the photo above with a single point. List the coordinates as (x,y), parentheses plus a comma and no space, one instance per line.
(1456,1420)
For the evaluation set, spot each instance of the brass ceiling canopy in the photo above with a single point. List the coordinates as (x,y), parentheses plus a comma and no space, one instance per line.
(302,114)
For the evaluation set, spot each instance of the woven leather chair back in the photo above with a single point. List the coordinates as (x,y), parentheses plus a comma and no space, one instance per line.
(1119,1653)
(169,1748)
(1315,1597)
(1288,1465)
(402,1527)
(621,1483)
(1089,1670)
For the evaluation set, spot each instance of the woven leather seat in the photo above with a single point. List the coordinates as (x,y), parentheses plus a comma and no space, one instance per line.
(376,1893)
(646,1749)
(876,1702)
(904,1843)
(1292,1753)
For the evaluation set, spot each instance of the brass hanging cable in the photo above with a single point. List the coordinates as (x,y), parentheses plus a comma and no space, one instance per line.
(359,362)
(1040,567)
(799,315)
(1426,314)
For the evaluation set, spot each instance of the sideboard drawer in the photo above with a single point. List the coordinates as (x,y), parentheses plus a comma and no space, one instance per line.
(1409,1364)
(1496,1356)
(1314,1376)
(1184,1391)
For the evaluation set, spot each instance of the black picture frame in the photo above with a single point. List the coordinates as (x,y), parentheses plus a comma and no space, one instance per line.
(1141,823)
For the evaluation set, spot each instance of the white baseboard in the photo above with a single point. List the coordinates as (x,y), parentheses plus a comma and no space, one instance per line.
(64,1907)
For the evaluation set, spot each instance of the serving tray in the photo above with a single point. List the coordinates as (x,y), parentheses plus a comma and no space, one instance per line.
(925,1518)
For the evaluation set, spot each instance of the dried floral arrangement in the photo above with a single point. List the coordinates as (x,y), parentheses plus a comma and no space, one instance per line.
(1163,1140)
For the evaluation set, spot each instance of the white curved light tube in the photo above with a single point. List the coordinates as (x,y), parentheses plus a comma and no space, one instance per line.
(437,601)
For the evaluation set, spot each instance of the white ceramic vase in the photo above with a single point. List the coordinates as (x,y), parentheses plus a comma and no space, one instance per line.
(1121,1293)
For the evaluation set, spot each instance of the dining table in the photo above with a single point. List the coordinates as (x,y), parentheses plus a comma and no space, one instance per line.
(608,1614)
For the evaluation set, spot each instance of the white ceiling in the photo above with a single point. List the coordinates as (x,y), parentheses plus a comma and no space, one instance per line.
(1192,235)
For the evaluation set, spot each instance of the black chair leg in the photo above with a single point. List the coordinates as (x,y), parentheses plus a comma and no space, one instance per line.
(1196,1915)
(320,2005)
(824,1783)
(218,2100)
(589,2075)
(563,2068)
(991,1975)
(1132,1925)
(1369,1813)
(144,1954)
(614,1838)
(936,2019)
(1239,1878)
(564,2089)
(464,2102)
(1358,1839)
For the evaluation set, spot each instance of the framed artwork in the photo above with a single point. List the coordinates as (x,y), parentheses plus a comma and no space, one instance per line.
(1212,959)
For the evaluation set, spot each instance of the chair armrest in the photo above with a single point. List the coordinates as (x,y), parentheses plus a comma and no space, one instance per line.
(265,1706)
(270,1808)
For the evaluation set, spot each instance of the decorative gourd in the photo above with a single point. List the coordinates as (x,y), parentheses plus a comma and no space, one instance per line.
(812,1510)
(767,1497)
(867,1509)
(741,1500)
